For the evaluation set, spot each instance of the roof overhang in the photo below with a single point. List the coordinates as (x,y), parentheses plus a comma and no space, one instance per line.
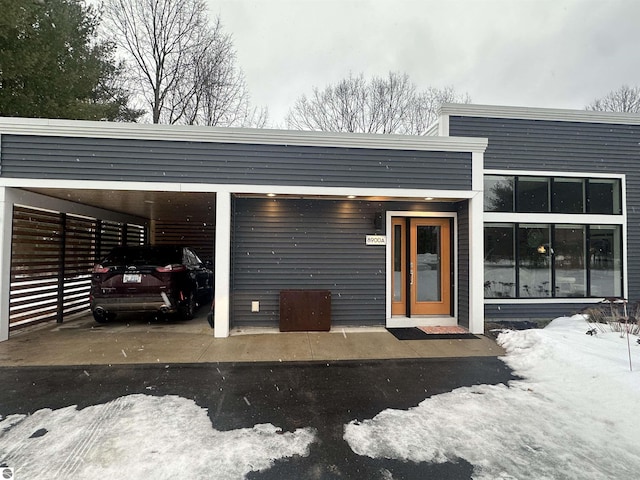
(254,136)
(530,113)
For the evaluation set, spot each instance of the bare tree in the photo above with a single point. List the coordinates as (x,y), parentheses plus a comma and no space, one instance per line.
(216,90)
(625,99)
(390,104)
(425,109)
(182,66)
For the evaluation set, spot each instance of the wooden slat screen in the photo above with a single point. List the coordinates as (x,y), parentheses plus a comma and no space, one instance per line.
(200,236)
(80,253)
(136,234)
(52,255)
(111,235)
(35,263)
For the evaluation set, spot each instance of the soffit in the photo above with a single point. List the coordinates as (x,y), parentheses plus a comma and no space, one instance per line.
(164,206)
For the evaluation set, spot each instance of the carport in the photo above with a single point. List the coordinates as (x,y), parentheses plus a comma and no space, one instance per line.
(58,234)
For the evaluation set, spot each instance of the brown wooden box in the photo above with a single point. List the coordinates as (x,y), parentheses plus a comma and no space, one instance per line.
(305,310)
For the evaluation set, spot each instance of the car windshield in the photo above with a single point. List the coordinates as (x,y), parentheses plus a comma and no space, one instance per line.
(158,255)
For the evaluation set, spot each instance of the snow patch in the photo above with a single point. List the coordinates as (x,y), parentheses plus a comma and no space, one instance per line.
(140,436)
(573,415)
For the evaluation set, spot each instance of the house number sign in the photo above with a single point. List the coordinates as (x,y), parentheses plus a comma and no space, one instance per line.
(376,240)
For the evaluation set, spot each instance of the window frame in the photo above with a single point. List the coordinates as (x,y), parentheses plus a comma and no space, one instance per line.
(551,218)
(586,180)
(548,260)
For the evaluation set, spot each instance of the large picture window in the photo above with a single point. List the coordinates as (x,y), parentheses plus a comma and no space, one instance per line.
(569,260)
(534,261)
(528,260)
(499,261)
(605,260)
(531,194)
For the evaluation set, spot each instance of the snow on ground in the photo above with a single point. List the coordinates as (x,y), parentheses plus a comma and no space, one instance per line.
(140,436)
(575,413)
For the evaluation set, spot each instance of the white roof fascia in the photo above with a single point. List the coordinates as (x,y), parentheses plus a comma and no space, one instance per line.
(188,133)
(531,113)
(240,189)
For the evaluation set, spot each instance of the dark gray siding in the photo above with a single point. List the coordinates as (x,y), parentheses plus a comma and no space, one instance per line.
(536,311)
(171,161)
(463,264)
(547,145)
(291,244)
(570,147)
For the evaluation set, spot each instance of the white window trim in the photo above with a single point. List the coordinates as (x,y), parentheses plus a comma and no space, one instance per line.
(564,218)
(553,173)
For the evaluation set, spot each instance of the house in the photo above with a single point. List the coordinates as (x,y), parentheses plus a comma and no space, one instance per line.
(500,213)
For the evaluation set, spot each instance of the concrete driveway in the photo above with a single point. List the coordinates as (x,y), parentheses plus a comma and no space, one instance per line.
(133,340)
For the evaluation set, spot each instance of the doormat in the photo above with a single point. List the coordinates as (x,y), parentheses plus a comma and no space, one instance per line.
(431,333)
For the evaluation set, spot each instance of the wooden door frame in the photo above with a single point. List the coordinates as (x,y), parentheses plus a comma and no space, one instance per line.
(403,321)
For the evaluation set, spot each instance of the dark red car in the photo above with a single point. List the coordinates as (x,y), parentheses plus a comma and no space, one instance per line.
(165,279)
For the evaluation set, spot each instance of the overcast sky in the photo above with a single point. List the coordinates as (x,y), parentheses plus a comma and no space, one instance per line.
(546,53)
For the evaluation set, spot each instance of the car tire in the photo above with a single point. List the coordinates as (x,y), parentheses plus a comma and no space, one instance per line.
(101,317)
(188,307)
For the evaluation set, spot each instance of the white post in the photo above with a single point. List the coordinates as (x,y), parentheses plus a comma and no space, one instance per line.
(476,265)
(476,246)
(6,227)
(222,264)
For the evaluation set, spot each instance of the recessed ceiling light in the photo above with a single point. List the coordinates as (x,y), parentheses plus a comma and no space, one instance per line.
(271,194)
(428,198)
(351,196)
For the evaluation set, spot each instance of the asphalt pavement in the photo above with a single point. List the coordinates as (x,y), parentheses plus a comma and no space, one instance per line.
(290,395)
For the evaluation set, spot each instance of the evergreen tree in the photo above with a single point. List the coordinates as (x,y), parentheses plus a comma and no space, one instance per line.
(53,65)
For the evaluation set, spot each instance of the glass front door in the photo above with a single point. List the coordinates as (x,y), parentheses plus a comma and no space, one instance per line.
(421,282)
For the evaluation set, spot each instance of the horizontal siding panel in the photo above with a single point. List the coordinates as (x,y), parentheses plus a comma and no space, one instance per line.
(290,244)
(539,145)
(538,311)
(168,161)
